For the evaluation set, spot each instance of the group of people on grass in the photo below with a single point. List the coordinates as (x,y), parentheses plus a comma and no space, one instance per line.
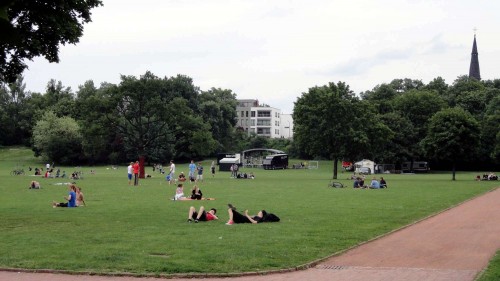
(234,216)
(359,182)
(133,172)
(487,177)
(196,193)
(75,198)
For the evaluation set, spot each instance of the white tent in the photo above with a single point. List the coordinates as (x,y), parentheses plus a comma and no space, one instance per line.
(365,163)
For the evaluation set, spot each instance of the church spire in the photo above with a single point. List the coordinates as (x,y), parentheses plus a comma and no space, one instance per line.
(474,61)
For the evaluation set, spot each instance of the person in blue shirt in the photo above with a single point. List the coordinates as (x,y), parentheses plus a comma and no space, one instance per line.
(71,198)
(192,168)
(375,184)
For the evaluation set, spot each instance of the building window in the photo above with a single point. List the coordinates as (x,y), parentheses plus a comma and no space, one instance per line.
(263,131)
(242,113)
(263,122)
(252,122)
(253,113)
(263,113)
(247,113)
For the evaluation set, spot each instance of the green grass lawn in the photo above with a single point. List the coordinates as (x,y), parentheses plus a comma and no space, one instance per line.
(492,272)
(140,230)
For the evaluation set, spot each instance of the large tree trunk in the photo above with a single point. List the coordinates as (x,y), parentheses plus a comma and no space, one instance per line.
(142,173)
(453,171)
(335,161)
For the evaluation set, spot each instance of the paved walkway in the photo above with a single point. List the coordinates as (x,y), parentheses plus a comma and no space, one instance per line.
(452,246)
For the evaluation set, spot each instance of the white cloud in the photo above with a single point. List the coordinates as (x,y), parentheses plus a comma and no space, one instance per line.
(276,50)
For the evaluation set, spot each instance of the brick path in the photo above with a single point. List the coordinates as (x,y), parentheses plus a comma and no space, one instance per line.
(454,245)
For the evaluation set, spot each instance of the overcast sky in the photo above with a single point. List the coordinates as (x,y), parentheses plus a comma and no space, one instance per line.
(274,51)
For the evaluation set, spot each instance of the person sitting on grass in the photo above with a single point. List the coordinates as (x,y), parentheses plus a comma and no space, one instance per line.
(356,183)
(262,216)
(361,181)
(80,200)
(182,177)
(383,183)
(201,215)
(71,198)
(196,193)
(374,184)
(34,185)
(179,193)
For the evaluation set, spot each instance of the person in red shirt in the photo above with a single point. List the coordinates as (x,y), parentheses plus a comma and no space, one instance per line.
(201,215)
(135,167)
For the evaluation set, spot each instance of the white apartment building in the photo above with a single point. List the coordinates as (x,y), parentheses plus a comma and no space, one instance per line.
(286,126)
(262,120)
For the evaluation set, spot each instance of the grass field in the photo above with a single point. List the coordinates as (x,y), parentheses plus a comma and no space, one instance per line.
(140,230)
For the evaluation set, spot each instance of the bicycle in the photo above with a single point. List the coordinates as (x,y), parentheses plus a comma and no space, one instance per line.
(17,172)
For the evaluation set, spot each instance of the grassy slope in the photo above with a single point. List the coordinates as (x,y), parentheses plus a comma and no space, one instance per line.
(139,230)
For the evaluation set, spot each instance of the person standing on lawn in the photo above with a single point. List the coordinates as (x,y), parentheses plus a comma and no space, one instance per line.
(135,168)
(192,169)
(200,172)
(130,172)
(172,172)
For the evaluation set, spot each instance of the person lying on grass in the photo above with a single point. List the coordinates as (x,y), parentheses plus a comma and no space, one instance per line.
(262,216)
(201,215)
(71,198)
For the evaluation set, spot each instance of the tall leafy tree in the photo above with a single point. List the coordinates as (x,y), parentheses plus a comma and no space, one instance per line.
(330,121)
(158,116)
(460,86)
(191,136)
(218,108)
(57,139)
(406,84)
(437,85)
(453,135)
(14,127)
(92,110)
(398,148)
(140,113)
(29,29)
(418,107)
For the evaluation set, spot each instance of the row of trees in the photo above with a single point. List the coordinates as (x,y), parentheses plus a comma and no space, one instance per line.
(404,120)
(162,118)
(170,118)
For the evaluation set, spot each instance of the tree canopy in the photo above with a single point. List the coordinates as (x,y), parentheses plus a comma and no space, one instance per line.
(453,136)
(29,29)
(330,121)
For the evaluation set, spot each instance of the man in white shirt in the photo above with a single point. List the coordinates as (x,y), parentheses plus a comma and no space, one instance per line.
(129,171)
(172,172)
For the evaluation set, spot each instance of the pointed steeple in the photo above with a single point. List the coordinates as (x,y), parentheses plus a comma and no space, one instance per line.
(474,62)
